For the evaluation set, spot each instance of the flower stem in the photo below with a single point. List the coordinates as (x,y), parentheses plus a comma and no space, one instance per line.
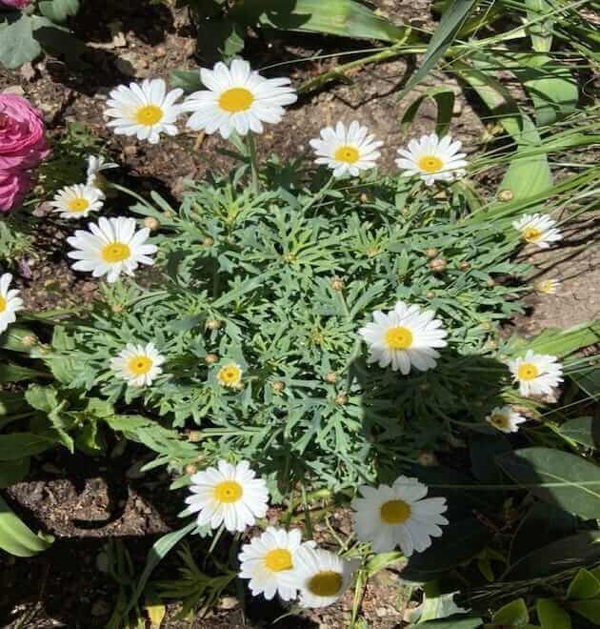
(253,162)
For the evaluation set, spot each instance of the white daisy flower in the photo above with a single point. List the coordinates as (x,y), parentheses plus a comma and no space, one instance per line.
(398,515)
(537,374)
(95,166)
(230,494)
(404,337)
(237,99)
(505,419)
(111,247)
(229,375)
(267,559)
(346,150)
(145,110)
(139,365)
(547,286)
(77,201)
(321,576)
(537,229)
(433,159)
(10,302)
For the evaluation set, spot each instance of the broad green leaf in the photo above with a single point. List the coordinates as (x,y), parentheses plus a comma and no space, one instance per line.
(12,339)
(583,430)
(540,31)
(450,623)
(21,444)
(589,380)
(567,553)
(551,615)
(58,10)
(12,472)
(346,18)
(514,614)
(17,43)
(439,606)
(560,478)
(188,80)
(443,97)
(558,342)
(452,20)
(10,372)
(156,554)
(588,609)
(16,538)
(45,399)
(583,585)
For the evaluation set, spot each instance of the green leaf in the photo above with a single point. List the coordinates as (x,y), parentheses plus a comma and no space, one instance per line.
(559,342)
(551,615)
(449,623)
(17,43)
(540,31)
(443,97)
(12,472)
(156,554)
(58,10)
(21,444)
(345,18)
(588,609)
(583,430)
(560,478)
(16,538)
(583,585)
(452,20)
(45,399)
(10,372)
(514,614)
(188,80)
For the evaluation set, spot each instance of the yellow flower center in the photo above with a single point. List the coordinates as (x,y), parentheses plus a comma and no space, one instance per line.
(139,365)
(3,304)
(78,204)
(278,559)
(325,583)
(498,420)
(229,375)
(148,115)
(394,511)
(115,252)
(236,99)
(228,491)
(348,154)
(532,234)
(398,338)
(430,163)
(527,371)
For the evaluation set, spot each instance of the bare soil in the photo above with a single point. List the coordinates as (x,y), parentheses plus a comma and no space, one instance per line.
(84,502)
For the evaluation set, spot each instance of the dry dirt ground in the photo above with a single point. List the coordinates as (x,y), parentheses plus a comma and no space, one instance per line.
(83,502)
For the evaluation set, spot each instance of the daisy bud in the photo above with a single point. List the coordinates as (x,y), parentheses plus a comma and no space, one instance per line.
(193,435)
(331,377)
(438,265)
(277,386)
(29,341)
(208,242)
(341,399)
(427,459)
(151,223)
(337,283)
(464,265)
(117,308)
(213,324)
(430,294)
(211,359)
(431,252)
(506,195)
(190,469)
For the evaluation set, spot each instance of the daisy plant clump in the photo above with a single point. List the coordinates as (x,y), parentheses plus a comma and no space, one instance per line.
(316,328)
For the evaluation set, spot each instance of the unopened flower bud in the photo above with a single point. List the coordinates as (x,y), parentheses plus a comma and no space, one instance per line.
(208,242)
(427,459)
(491,344)
(29,341)
(337,283)
(464,265)
(190,469)
(506,195)
(341,399)
(438,265)
(430,294)
(331,377)
(117,308)
(151,223)
(431,252)
(491,282)
(213,324)
(277,386)
(211,359)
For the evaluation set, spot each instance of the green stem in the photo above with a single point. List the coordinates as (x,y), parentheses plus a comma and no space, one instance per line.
(253,162)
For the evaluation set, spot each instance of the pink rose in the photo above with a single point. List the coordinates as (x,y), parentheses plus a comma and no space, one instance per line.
(16,4)
(14,185)
(22,142)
